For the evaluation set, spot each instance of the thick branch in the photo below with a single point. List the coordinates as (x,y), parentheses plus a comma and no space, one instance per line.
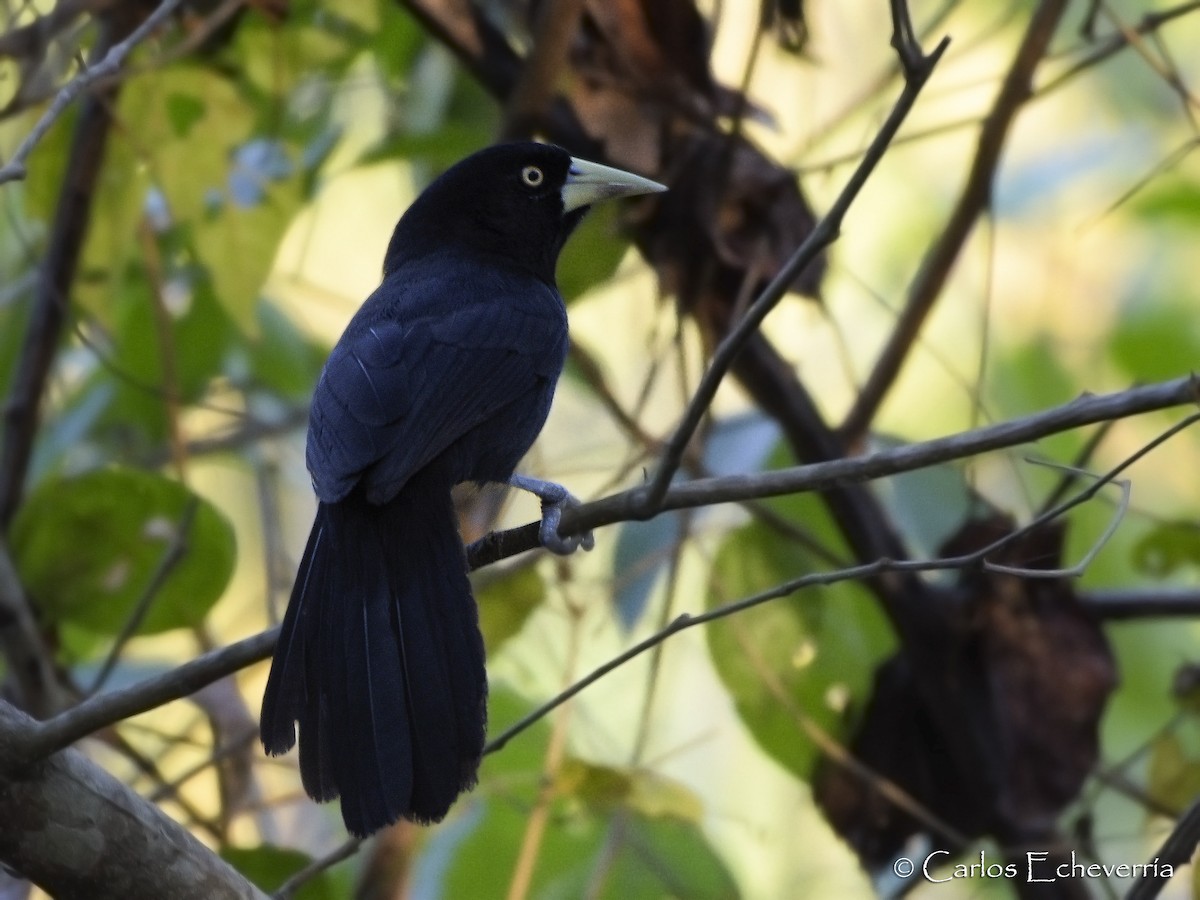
(77,832)
(105,709)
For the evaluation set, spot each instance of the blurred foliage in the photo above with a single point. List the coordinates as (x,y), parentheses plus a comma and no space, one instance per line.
(800,661)
(179,333)
(613,833)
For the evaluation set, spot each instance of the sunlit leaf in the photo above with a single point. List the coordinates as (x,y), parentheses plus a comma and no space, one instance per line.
(624,835)
(1174,778)
(1169,198)
(607,788)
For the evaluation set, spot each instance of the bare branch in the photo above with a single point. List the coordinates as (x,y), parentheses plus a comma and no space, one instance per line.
(1084,410)
(105,709)
(1143,603)
(343,851)
(824,234)
(976,197)
(77,832)
(14,169)
(862,572)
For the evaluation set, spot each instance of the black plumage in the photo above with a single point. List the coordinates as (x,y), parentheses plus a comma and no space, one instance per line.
(444,375)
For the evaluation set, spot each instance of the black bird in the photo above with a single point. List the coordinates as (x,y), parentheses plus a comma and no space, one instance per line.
(444,375)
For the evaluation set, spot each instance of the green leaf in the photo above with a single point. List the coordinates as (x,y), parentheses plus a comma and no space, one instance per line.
(240,192)
(88,547)
(809,655)
(199,336)
(506,602)
(667,858)
(1171,197)
(184,111)
(269,867)
(1156,340)
(1166,548)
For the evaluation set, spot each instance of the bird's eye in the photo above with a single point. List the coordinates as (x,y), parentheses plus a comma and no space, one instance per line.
(532,176)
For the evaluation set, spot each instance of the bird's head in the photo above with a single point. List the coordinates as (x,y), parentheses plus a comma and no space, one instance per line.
(517,201)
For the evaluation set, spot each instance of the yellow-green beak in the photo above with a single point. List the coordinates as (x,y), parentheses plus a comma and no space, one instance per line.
(590,182)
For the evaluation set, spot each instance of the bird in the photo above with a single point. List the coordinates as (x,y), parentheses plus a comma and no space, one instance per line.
(444,375)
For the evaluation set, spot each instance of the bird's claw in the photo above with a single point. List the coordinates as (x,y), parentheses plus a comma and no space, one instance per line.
(555,498)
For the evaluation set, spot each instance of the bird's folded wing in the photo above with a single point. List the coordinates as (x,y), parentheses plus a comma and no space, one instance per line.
(395,394)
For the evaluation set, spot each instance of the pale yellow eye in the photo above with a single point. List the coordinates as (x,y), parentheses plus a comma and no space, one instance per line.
(532,176)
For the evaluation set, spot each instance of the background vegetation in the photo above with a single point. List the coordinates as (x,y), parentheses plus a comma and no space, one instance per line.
(943,664)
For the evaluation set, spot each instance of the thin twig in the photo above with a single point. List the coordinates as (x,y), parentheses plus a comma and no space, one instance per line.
(1174,853)
(175,552)
(976,196)
(105,709)
(1084,410)
(853,573)
(825,232)
(14,169)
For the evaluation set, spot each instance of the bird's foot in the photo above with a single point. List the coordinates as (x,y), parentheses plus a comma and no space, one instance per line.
(555,498)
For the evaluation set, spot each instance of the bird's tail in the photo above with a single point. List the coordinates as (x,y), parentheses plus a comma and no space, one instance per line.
(381,661)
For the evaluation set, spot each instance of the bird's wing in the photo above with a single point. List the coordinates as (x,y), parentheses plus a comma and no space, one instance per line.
(395,394)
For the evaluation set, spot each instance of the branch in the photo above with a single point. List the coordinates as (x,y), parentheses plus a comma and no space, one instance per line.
(14,169)
(30,662)
(1175,852)
(1118,41)
(976,197)
(557,22)
(76,831)
(105,709)
(862,572)
(1084,410)
(1152,603)
(824,234)
(57,273)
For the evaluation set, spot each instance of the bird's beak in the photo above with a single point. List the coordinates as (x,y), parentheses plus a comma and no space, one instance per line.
(589,182)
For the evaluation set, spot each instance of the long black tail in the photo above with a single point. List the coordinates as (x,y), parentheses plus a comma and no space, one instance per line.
(381,662)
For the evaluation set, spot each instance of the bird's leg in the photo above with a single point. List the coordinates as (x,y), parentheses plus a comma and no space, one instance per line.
(555,498)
